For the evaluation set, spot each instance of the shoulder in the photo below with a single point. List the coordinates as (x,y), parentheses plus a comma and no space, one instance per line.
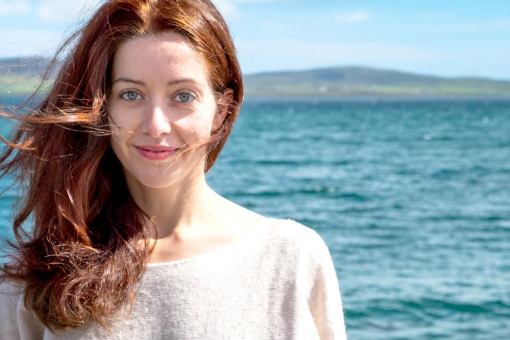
(11,293)
(300,253)
(11,301)
(292,233)
(292,239)
(15,320)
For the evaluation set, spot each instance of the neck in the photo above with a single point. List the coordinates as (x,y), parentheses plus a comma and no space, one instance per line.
(183,206)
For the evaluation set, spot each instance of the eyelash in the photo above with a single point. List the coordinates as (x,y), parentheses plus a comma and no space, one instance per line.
(122,95)
(188,93)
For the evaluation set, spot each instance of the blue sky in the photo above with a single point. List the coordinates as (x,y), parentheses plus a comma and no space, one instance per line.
(441,37)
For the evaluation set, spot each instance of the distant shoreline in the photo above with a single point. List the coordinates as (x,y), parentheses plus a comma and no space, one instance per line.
(364,98)
(22,76)
(9,101)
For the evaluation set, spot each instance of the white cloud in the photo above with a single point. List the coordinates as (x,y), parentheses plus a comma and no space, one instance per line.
(353,17)
(17,43)
(66,11)
(14,7)
(230,10)
(76,10)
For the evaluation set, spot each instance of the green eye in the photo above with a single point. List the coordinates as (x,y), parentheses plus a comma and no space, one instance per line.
(131,95)
(185,97)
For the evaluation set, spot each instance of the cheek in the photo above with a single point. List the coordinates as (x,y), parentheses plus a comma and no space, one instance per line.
(199,128)
(118,129)
(120,122)
(113,119)
(201,124)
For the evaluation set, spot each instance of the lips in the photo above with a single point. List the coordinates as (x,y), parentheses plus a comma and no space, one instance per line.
(156,152)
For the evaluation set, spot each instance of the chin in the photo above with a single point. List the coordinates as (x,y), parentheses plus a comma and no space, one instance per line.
(154,180)
(158,179)
(164,174)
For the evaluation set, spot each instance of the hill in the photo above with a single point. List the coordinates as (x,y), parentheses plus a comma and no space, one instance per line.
(349,81)
(20,76)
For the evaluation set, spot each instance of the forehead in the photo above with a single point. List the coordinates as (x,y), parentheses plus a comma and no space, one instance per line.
(163,55)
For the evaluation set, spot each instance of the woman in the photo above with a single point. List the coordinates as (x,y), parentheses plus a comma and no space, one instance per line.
(128,240)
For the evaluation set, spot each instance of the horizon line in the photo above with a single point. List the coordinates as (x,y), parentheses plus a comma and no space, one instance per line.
(326,67)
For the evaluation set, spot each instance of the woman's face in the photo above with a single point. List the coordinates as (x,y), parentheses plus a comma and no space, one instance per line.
(161,99)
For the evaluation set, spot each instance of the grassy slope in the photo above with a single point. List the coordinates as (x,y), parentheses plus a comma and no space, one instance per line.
(368,81)
(22,76)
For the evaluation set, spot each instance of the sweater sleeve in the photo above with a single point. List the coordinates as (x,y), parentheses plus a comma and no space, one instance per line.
(16,323)
(324,301)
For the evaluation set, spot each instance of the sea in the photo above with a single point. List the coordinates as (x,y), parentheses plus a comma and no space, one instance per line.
(412,197)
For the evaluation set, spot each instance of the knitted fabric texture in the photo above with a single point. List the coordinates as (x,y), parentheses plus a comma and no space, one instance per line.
(278,282)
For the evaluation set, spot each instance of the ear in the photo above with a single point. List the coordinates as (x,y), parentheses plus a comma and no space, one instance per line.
(222,108)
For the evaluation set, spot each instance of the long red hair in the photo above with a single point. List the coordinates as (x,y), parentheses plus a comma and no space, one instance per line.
(82,244)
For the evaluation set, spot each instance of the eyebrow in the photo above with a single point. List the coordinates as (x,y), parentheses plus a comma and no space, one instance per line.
(139,82)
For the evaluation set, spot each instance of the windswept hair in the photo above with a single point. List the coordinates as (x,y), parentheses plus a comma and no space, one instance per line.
(82,244)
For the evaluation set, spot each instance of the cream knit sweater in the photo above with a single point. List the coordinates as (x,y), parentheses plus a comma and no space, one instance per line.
(276,283)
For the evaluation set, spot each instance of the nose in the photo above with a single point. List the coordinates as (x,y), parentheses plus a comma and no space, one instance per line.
(156,121)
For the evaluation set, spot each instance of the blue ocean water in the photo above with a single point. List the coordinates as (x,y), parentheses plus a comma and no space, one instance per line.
(412,198)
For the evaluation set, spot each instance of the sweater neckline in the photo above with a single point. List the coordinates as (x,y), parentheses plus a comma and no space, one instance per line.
(249,237)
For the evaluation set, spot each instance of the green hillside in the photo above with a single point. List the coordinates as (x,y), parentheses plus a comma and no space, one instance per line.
(20,76)
(348,81)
